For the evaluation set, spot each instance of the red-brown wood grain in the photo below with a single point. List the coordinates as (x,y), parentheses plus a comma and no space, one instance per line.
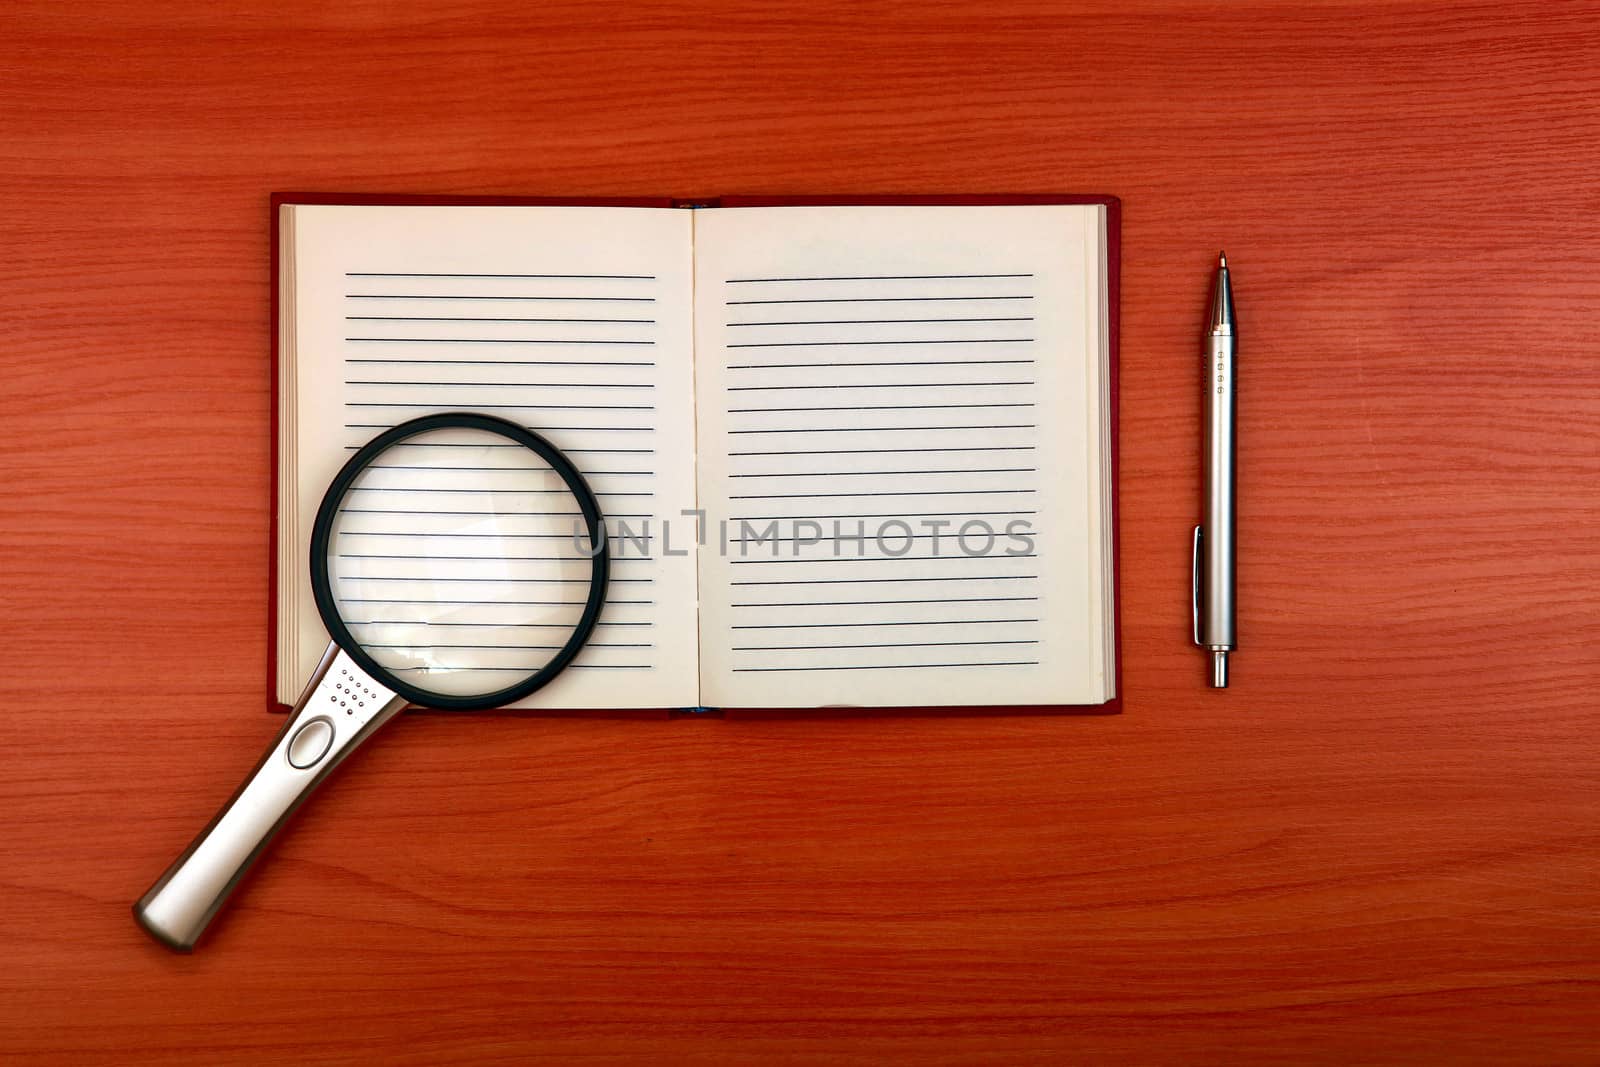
(1382,845)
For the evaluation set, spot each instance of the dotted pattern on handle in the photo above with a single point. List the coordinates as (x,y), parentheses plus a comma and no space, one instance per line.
(351,691)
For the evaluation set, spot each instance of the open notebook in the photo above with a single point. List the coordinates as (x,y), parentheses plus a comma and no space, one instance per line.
(872,445)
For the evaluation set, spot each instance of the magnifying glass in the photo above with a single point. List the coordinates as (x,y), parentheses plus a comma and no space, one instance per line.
(458,561)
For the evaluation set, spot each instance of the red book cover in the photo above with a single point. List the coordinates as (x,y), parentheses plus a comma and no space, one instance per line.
(1113,277)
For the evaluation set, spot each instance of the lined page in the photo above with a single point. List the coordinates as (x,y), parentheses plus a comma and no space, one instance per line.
(873,383)
(574,322)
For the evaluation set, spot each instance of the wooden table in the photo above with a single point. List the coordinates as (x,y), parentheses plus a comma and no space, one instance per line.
(1382,845)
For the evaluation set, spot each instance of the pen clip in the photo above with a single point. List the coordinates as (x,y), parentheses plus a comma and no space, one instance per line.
(1194,582)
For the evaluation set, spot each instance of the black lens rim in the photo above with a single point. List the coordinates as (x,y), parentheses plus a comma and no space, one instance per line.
(588,505)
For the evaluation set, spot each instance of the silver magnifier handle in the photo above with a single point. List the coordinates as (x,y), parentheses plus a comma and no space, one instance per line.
(339,709)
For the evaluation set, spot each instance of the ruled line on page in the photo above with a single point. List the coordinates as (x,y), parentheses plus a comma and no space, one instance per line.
(883,451)
(512,648)
(531,669)
(877,278)
(468,401)
(883,515)
(894,666)
(876,407)
(884,644)
(601,451)
(497,557)
(879,322)
(478,318)
(911,622)
(544,407)
(453,513)
(486,625)
(498,492)
(501,362)
(908,492)
(479,581)
(441,467)
(858,581)
(855,603)
(493,341)
(874,474)
(481,603)
(888,429)
(539,428)
(879,300)
(873,385)
(507,445)
(507,385)
(827,344)
(528,407)
(854,538)
(833,560)
(895,363)
(546,299)
(556,277)
(432,536)
(549,407)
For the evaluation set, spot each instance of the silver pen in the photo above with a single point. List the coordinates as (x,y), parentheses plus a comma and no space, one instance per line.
(1212,565)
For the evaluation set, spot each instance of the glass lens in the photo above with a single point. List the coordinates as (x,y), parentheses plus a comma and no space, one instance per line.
(459,561)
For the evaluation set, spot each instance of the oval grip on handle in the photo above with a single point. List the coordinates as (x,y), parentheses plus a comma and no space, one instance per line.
(320,733)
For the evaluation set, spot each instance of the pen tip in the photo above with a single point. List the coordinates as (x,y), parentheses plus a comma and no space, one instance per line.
(1222,260)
